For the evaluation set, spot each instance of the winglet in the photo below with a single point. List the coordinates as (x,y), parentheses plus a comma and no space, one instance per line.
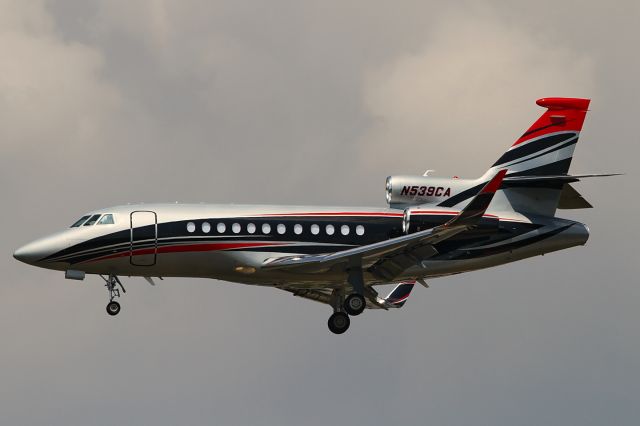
(479,204)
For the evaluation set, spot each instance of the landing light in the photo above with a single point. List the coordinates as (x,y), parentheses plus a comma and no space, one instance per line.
(245,269)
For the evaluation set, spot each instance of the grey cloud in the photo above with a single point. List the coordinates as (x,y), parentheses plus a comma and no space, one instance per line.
(290,102)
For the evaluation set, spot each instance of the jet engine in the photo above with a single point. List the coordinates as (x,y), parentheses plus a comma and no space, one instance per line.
(403,191)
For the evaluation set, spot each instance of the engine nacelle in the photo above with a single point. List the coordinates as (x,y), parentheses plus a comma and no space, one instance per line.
(402,191)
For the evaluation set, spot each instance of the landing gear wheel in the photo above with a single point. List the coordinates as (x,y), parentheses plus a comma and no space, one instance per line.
(354,304)
(113,308)
(339,322)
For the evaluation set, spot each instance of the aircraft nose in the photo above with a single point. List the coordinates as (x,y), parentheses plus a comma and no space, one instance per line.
(35,251)
(29,253)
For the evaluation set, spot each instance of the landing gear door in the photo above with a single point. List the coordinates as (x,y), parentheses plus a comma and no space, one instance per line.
(144,238)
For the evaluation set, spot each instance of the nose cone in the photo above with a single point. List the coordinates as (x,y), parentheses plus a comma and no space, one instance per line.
(34,252)
(30,253)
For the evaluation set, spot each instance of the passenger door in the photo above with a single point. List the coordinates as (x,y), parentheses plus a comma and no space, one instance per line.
(144,238)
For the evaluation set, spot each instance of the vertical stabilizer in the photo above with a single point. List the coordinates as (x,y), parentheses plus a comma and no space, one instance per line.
(545,149)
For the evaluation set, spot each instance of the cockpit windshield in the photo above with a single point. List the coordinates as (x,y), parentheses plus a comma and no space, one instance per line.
(88,220)
(107,219)
(80,221)
(92,220)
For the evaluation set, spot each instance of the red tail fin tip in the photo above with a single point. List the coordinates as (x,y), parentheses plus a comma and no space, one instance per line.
(564,103)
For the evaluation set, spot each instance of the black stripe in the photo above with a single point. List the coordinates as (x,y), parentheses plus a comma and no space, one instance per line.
(464,195)
(509,247)
(533,147)
(558,168)
(559,147)
(537,129)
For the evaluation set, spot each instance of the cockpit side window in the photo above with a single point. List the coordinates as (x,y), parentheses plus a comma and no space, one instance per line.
(107,219)
(80,221)
(92,220)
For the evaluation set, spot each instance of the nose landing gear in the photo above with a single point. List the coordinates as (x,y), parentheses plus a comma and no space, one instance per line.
(113,307)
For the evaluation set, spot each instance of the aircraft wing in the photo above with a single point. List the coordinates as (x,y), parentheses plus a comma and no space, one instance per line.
(387,259)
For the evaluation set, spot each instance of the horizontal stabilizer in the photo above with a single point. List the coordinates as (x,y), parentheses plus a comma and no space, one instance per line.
(555,178)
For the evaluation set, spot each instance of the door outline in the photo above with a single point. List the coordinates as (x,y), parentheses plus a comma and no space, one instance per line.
(131,240)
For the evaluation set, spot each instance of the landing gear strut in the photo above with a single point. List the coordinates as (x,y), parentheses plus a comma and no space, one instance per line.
(113,307)
(354,304)
(339,321)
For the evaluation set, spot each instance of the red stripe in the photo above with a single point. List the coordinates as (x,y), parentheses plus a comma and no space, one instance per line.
(334,214)
(494,184)
(563,114)
(181,248)
(451,213)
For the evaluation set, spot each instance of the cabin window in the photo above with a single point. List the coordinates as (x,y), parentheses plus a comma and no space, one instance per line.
(315,229)
(92,220)
(80,221)
(236,228)
(206,227)
(251,228)
(107,219)
(281,228)
(221,227)
(297,228)
(329,229)
(344,229)
(360,230)
(266,228)
(191,227)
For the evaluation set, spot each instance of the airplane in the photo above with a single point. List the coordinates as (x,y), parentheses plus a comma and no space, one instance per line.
(432,227)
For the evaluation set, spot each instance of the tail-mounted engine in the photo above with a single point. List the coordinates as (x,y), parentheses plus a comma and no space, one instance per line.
(404,191)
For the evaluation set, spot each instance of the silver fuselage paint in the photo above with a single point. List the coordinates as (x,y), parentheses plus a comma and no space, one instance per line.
(182,248)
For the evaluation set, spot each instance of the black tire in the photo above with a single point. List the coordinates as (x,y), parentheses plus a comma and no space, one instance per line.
(354,304)
(339,322)
(113,308)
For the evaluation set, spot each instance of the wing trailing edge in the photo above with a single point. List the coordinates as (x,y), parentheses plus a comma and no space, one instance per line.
(388,259)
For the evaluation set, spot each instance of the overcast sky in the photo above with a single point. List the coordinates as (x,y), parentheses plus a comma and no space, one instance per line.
(109,102)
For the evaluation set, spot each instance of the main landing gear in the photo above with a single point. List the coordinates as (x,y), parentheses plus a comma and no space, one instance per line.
(354,304)
(111,282)
(339,322)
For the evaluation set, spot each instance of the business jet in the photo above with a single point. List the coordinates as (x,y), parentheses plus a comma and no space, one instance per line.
(432,227)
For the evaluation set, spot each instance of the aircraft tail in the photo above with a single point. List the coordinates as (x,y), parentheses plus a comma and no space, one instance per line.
(545,150)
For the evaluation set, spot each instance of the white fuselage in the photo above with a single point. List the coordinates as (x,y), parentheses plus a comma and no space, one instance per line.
(233,242)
